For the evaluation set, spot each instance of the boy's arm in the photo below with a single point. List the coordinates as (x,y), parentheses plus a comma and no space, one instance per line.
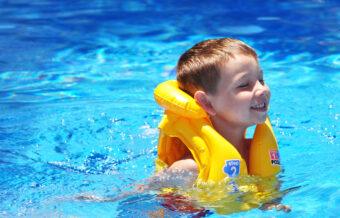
(276,205)
(182,173)
(276,202)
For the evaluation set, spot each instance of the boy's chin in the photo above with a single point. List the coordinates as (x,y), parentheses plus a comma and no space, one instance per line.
(260,120)
(256,123)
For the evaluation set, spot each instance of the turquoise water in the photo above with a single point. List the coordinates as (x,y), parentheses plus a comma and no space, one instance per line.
(77,113)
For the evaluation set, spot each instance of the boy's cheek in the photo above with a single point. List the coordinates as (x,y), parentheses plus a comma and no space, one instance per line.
(269,93)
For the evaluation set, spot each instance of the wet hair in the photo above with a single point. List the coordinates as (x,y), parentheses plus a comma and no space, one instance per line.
(199,67)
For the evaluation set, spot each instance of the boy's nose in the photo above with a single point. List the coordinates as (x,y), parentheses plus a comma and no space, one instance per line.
(261,89)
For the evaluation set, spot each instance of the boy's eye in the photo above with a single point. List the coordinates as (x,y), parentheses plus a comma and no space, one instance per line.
(261,81)
(243,85)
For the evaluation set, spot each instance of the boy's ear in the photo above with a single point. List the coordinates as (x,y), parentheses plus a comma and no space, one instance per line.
(202,99)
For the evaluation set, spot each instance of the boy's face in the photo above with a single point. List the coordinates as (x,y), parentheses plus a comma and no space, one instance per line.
(242,97)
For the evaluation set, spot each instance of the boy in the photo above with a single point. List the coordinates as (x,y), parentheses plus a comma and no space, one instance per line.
(225,79)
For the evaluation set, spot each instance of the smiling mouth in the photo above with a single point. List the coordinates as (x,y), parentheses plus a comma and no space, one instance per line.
(262,107)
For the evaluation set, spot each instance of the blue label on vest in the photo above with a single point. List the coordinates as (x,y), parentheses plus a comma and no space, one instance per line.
(232,168)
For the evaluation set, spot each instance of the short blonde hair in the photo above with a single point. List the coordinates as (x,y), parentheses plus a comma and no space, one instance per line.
(199,67)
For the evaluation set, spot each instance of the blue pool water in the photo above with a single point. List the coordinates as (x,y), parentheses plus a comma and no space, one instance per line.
(77,113)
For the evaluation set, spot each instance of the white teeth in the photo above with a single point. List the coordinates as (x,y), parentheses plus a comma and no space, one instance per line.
(258,106)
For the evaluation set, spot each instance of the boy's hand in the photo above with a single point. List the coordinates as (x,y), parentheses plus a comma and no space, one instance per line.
(277,206)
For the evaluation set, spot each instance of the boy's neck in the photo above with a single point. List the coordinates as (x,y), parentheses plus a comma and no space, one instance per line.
(234,134)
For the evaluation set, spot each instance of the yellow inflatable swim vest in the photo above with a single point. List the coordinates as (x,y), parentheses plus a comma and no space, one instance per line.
(185,121)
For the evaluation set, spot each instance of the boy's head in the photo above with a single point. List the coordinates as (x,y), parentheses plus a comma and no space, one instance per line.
(199,68)
(224,77)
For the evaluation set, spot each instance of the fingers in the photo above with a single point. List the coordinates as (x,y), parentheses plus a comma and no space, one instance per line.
(282,207)
(278,207)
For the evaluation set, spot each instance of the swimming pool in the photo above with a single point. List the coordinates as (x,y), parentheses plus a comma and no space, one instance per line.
(77,109)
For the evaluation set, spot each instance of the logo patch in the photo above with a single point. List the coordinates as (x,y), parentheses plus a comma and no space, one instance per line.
(274,157)
(232,168)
